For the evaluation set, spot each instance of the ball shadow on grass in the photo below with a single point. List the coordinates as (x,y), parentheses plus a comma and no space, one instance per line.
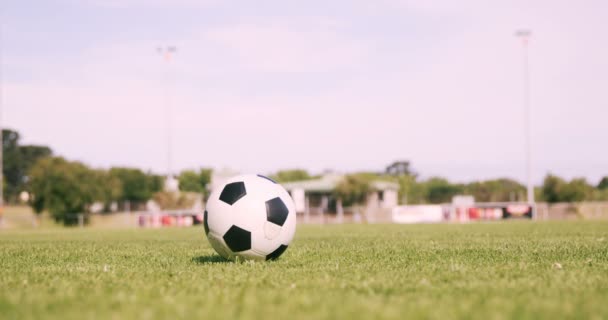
(211,258)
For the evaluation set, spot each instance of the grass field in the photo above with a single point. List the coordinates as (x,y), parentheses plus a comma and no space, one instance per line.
(482,271)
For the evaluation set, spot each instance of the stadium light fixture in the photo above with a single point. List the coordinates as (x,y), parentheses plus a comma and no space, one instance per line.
(524,35)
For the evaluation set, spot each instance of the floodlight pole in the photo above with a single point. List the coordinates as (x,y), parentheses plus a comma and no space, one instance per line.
(167,53)
(525,35)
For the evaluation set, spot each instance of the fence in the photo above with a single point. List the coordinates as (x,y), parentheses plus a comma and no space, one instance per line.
(573,211)
(480,211)
(24,218)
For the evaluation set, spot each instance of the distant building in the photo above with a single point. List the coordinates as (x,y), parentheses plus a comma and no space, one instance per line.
(316,197)
(171,184)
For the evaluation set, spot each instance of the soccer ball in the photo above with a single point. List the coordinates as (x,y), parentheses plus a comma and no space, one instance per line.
(250,217)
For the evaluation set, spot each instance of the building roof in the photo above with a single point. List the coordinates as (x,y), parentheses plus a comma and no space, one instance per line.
(328,183)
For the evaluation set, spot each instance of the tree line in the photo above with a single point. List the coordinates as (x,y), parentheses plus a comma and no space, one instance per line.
(554,189)
(435,190)
(64,188)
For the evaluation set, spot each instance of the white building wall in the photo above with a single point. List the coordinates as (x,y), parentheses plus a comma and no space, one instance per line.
(390,199)
(299,199)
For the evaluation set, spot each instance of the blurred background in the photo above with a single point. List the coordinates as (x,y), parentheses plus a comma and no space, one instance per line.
(126,113)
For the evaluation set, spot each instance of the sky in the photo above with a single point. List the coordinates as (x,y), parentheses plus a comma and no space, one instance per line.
(258,86)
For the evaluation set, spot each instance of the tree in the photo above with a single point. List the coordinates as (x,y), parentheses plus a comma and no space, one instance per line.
(600,194)
(399,168)
(410,190)
(576,190)
(192,181)
(32,153)
(189,181)
(556,189)
(155,182)
(17,162)
(603,185)
(12,169)
(353,190)
(108,188)
(291,175)
(204,177)
(495,190)
(440,190)
(64,188)
(552,188)
(136,185)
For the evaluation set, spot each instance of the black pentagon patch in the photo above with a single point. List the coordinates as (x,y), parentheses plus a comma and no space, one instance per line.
(276,253)
(238,239)
(265,177)
(276,211)
(205,223)
(233,192)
